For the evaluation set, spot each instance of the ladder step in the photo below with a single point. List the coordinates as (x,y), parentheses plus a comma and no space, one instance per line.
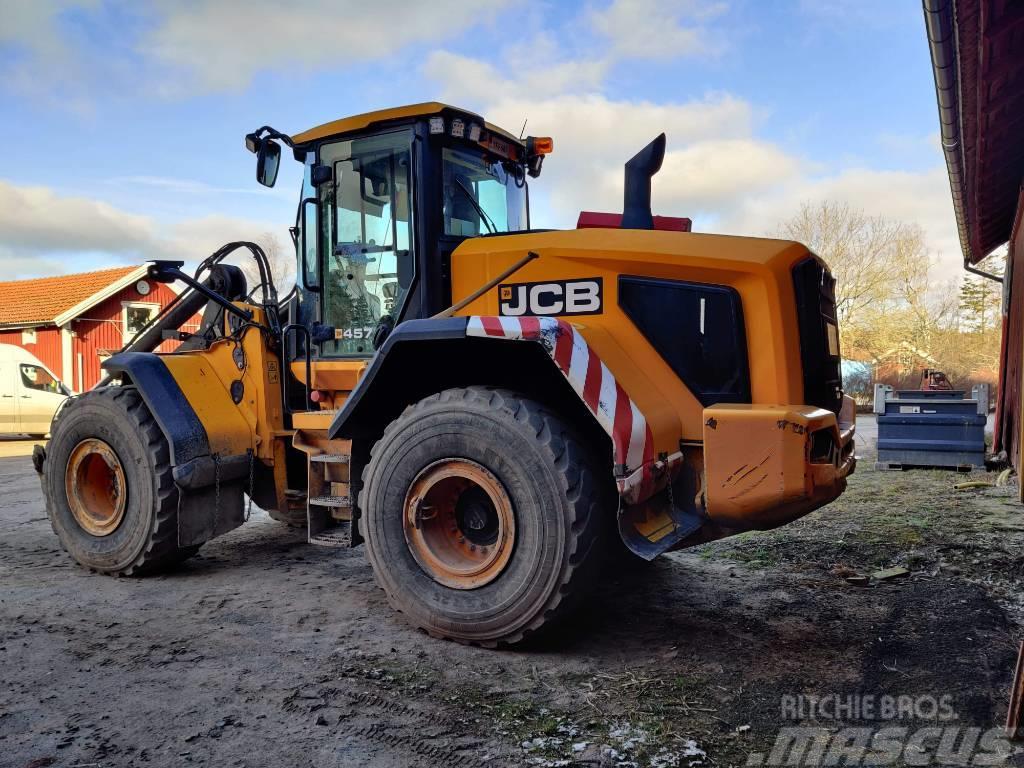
(330,501)
(330,458)
(341,536)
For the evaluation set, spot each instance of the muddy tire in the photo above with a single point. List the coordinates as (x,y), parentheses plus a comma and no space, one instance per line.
(484,516)
(107,453)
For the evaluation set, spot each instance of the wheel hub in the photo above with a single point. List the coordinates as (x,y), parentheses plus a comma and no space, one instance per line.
(96,488)
(459,523)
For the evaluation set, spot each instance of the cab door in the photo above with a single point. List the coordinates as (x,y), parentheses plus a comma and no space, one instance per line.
(39,394)
(8,399)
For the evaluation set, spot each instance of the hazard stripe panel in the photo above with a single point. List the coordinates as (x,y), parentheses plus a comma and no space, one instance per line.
(632,442)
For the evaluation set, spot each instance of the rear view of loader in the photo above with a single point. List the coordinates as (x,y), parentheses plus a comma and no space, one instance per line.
(488,408)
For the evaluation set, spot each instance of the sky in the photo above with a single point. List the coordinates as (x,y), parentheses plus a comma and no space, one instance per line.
(122,137)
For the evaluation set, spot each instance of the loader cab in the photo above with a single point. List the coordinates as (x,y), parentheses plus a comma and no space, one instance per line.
(386,198)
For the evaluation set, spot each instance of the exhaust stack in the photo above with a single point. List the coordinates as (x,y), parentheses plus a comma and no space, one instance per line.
(636,210)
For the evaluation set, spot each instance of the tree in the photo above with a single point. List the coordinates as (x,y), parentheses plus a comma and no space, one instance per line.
(981,299)
(282,264)
(873,259)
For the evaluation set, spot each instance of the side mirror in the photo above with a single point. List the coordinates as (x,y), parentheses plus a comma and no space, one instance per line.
(268,160)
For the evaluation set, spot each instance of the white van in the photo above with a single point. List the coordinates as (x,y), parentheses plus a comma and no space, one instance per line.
(29,393)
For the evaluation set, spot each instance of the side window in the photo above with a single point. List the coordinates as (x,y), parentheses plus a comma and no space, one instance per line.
(697,329)
(369,261)
(135,317)
(308,225)
(34,377)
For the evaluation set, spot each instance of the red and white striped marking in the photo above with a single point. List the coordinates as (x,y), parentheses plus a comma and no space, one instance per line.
(637,472)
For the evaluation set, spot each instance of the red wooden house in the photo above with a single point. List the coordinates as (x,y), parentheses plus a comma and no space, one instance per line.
(73,322)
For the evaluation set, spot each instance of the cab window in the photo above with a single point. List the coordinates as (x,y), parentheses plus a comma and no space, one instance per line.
(482,196)
(368,230)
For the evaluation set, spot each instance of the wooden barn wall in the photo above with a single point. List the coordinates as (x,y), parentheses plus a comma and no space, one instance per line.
(1010,407)
(46,348)
(100,330)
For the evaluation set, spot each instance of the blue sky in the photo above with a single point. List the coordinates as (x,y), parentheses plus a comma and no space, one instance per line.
(123,137)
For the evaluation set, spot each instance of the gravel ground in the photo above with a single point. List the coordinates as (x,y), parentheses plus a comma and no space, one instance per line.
(266,651)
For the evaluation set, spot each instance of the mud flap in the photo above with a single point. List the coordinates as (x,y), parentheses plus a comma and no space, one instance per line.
(655,526)
(210,497)
(202,515)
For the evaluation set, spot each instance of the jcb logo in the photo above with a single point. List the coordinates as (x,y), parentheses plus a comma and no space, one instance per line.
(557,297)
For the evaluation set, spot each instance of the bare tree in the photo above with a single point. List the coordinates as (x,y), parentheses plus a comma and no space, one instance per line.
(874,260)
(282,264)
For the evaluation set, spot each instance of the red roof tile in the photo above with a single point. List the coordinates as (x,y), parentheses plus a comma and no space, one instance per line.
(42,299)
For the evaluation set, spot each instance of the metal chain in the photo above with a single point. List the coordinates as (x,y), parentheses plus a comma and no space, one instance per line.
(216,498)
(252,482)
(671,498)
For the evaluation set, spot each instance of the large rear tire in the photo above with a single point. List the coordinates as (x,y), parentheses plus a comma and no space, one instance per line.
(484,516)
(107,481)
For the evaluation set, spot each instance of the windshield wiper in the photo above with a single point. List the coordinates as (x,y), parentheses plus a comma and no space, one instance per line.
(491,229)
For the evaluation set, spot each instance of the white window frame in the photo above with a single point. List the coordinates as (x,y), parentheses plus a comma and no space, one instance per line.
(28,336)
(126,305)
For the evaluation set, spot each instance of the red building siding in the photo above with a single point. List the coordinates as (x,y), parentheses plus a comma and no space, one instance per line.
(97,333)
(46,348)
(100,331)
(1008,419)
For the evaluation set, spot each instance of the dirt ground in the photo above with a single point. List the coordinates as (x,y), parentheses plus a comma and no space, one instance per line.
(266,651)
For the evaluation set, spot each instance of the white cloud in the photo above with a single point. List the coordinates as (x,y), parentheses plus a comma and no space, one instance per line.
(39,220)
(223,44)
(919,197)
(716,170)
(658,29)
(475,81)
(711,156)
(44,232)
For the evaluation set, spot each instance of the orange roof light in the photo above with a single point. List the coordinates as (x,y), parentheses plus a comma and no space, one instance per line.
(539,145)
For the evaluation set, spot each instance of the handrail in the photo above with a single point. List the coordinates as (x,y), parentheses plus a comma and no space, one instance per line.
(309,365)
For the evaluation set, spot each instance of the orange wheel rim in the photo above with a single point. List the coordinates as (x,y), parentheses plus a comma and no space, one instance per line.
(96,489)
(459,523)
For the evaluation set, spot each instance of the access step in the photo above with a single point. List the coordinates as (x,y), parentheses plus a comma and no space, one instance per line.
(330,458)
(338,536)
(331,501)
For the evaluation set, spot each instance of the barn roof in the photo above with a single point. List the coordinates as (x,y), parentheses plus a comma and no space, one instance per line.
(56,300)
(979,80)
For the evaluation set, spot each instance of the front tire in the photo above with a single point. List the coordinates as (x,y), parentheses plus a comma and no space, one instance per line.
(107,481)
(484,516)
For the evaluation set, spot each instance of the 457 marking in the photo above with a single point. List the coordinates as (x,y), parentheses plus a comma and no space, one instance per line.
(357,333)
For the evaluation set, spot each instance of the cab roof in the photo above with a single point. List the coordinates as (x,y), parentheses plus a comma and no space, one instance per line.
(369,119)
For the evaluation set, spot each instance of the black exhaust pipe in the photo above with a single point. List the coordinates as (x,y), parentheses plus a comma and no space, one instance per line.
(636,205)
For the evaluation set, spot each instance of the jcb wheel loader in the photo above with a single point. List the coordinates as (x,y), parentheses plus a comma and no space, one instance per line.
(490,408)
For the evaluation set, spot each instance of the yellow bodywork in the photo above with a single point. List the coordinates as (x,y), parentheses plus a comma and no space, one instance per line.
(759,468)
(754,460)
(256,423)
(759,270)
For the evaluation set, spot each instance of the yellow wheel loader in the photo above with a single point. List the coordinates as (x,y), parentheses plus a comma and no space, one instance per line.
(494,411)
